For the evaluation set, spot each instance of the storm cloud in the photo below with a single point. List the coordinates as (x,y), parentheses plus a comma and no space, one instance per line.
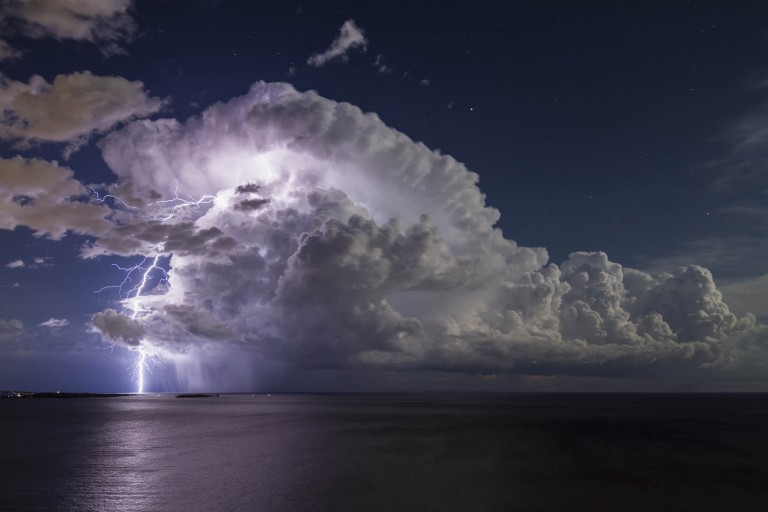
(335,241)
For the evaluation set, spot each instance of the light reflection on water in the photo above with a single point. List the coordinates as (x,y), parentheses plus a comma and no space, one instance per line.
(149,453)
(384,453)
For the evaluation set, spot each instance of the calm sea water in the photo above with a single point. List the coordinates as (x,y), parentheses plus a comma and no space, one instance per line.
(385,453)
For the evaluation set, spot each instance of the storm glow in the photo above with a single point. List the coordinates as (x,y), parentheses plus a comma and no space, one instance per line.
(132,300)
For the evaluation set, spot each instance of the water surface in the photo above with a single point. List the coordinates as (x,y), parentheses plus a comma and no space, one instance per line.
(403,452)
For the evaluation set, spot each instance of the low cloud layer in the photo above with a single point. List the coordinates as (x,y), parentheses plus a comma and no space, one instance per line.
(350,37)
(335,241)
(72,107)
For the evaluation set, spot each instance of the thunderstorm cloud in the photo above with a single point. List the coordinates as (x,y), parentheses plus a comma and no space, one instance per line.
(335,241)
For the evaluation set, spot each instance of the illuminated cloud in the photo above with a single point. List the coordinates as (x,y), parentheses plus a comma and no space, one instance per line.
(350,37)
(47,199)
(335,241)
(103,22)
(15,264)
(70,108)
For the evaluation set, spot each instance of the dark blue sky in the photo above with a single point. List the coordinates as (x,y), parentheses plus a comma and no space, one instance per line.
(631,129)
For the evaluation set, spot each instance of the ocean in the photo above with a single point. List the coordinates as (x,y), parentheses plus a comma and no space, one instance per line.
(385,452)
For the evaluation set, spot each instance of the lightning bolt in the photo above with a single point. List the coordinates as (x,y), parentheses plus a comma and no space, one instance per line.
(141,272)
(141,364)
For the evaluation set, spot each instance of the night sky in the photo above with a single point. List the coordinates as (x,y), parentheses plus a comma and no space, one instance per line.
(372,196)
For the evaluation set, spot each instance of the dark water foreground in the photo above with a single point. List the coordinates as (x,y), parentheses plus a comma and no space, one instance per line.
(386,453)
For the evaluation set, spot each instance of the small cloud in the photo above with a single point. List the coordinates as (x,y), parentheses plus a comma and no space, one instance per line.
(16,264)
(8,52)
(423,82)
(42,262)
(380,66)
(350,37)
(55,323)
(292,71)
(450,105)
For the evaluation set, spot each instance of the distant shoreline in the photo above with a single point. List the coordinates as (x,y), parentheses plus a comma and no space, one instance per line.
(435,394)
(59,394)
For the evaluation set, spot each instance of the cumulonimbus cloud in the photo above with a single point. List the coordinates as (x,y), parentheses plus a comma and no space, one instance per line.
(335,241)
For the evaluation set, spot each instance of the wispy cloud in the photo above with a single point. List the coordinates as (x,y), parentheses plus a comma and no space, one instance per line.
(8,52)
(350,37)
(55,323)
(380,66)
(11,330)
